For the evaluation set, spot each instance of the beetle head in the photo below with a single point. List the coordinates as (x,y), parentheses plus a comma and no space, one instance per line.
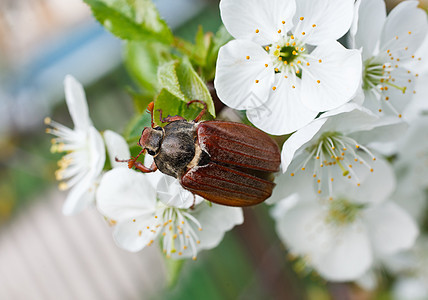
(151,139)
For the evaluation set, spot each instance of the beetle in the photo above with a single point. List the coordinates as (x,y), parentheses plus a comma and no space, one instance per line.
(226,163)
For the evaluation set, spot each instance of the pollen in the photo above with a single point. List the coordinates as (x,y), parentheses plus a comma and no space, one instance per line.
(318,81)
(303,33)
(283,22)
(140,233)
(247,57)
(293,86)
(308,64)
(133,220)
(266,65)
(62,186)
(257,31)
(320,61)
(285,76)
(314,25)
(267,48)
(276,70)
(257,81)
(399,115)
(279,31)
(47,120)
(274,88)
(302,18)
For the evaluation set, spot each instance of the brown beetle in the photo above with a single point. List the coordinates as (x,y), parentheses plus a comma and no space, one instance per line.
(224,162)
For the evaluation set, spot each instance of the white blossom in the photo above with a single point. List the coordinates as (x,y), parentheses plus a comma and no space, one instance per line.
(389,47)
(147,207)
(81,167)
(337,145)
(285,65)
(341,236)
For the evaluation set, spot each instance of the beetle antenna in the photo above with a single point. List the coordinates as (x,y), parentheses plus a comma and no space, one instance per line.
(203,111)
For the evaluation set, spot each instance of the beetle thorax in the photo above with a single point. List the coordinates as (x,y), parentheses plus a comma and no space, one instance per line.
(151,139)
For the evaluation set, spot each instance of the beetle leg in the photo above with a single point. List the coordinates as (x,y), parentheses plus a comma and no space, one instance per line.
(194,201)
(150,111)
(138,165)
(169,118)
(203,111)
(131,162)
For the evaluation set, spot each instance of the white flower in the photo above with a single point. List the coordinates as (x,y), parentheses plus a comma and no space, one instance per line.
(341,236)
(81,167)
(285,65)
(337,145)
(146,207)
(412,154)
(389,45)
(410,267)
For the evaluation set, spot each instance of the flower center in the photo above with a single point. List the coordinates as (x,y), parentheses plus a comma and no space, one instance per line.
(287,55)
(178,229)
(74,162)
(382,73)
(333,150)
(342,212)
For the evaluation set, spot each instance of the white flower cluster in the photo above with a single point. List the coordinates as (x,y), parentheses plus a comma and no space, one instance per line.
(142,207)
(340,205)
(355,165)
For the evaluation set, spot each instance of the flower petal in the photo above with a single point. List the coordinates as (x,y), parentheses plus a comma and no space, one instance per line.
(332,19)
(171,193)
(391,229)
(235,79)
(76,103)
(80,196)
(97,152)
(405,30)
(215,220)
(242,18)
(349,118)
(133,236)
(284,112)
(117,148)
(153,177)
(124,194)
(301,227)
(375,187)
(410,288)
(371,16)
(298,141)
(399,98)
(332,78)
(348,257)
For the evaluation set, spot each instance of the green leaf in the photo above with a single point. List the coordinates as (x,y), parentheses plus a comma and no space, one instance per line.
(135,127)
(131,19)
(170,105)
(202,44)
(168,79)
(192,85)
(181,80)
(142,60)
(220,39)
